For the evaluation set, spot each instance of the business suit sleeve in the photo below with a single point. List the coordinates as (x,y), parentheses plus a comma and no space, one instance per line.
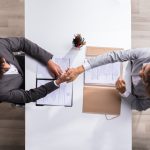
(21,96)
(15,44)
(119,56)
(137,104)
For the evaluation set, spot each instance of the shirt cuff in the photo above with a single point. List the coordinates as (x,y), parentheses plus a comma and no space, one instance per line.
(86,65)
(125,94)
(56,84)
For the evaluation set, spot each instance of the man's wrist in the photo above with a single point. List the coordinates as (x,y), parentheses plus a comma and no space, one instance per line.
(49,61)
(57,82)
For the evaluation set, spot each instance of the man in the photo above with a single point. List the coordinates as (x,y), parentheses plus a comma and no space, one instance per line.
(11,74)
(140,74)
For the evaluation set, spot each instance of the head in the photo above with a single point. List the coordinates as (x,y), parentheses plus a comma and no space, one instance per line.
(145,75)
(4,66)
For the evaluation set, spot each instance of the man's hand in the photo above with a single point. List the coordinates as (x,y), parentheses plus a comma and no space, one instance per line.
(73,73)
(54,68)
(121,85)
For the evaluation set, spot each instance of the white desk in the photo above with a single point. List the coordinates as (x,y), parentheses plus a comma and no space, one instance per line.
(58,127)
(67,128)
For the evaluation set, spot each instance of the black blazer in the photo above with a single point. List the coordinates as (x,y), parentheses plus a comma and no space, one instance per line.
(10,84)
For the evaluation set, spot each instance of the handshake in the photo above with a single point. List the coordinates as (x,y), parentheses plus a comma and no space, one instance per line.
(69,75)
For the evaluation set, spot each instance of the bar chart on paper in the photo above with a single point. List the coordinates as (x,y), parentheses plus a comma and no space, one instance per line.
(104,75)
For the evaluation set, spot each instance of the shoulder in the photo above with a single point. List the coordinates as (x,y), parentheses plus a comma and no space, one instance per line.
(140,52)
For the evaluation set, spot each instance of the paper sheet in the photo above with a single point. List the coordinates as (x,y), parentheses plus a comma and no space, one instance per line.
(106,74)
(42,71)
(61,96)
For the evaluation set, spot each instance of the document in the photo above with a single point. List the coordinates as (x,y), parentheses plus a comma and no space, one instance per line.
(61,96)
(64,94)
(43,72)
(103,75)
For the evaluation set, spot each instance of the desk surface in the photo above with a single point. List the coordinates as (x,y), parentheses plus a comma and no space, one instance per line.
(52,25)
(58,127)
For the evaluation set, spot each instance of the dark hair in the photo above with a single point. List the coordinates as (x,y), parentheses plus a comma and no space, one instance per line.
(147,82)
(1,66)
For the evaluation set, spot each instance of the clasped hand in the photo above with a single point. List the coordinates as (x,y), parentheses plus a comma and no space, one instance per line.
(69,75)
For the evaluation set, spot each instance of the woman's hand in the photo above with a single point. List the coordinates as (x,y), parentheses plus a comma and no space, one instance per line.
(121,85)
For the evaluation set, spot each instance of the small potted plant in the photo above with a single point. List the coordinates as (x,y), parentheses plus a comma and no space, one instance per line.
(78,41)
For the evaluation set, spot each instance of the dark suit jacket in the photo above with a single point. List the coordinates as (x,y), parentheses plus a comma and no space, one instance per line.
(10,84)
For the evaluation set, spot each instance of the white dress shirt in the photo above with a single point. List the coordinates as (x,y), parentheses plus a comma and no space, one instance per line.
(12,70)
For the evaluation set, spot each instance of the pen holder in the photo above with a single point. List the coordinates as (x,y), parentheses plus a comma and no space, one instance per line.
(78,41)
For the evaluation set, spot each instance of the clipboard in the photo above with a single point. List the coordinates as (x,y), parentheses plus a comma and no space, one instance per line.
(101,99)
(53,99)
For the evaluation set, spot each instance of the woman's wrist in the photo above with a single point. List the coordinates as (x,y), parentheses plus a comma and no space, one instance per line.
(80,69)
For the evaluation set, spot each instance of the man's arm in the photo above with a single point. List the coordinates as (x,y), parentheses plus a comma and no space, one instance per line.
(15,44)
(20,96)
